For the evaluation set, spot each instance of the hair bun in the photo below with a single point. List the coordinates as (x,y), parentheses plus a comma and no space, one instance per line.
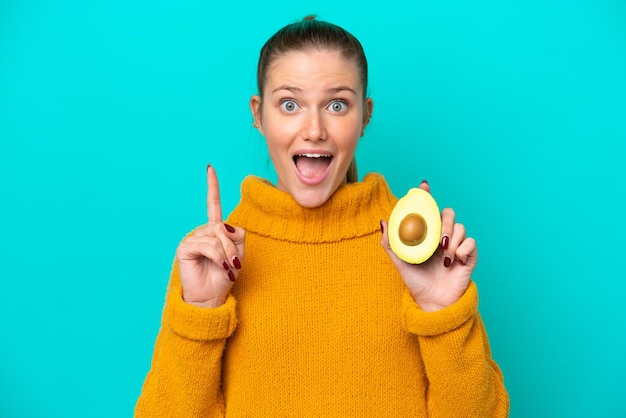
(309,17)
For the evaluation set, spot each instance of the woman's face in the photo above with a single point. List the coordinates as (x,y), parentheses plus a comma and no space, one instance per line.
(312,114)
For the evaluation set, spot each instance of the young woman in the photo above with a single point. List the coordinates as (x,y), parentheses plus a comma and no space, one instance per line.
(297,306)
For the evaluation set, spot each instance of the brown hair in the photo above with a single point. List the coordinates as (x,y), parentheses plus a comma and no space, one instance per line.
(310,33)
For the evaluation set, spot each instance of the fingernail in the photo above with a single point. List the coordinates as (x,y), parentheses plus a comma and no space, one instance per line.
(236,262)
(229,228)
(447,261)
(208,166)
(382,228)
(445,240)
(231,275)
(226,266)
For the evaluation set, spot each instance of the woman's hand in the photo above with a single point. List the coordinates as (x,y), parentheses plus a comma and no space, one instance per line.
(210,259)
(442,279)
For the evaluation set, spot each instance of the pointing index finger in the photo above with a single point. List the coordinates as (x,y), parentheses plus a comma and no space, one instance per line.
(214,207)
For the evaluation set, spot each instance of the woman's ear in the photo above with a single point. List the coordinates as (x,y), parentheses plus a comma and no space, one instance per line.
(255,108)
(367,112)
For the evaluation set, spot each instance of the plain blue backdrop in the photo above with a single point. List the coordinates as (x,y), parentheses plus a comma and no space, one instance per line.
(110,110)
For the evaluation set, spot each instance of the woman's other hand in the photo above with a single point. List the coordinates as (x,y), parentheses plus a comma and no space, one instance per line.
(441,280)
(209,260)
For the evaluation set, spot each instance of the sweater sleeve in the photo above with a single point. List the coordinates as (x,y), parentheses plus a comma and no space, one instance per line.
(463,379)
(185,375)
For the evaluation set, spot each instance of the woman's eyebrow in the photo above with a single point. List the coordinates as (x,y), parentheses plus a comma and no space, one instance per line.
(288,88)
(335,90)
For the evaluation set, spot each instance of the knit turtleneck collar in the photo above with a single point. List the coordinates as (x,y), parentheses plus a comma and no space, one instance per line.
(353,210)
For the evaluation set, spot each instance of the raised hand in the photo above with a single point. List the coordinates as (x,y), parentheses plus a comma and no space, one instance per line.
(209,260)
(442,280)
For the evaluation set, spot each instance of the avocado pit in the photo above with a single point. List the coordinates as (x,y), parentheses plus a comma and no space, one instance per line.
(412,229)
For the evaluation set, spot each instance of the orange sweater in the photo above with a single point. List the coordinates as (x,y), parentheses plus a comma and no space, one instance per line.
(322,326)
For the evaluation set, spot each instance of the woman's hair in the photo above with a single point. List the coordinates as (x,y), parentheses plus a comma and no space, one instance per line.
(317,35)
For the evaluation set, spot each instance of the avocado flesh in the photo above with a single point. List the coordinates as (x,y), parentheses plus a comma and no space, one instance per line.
(411,241)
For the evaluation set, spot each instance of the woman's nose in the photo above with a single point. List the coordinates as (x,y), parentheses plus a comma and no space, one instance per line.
(314,127)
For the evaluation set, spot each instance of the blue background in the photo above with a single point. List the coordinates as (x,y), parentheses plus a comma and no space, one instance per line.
(109,111)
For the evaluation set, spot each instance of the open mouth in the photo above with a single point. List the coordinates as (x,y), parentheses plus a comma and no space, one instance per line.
(312,166)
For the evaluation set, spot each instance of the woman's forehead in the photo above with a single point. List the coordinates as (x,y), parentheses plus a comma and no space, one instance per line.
(313,68)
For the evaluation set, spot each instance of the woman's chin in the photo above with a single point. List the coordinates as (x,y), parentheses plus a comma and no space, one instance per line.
(311,198)
(313,194)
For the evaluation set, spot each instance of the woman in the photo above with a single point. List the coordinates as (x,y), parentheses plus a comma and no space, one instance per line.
(319,318)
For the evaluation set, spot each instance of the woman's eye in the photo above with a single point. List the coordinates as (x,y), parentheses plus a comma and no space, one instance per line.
(289,105)
(338,106)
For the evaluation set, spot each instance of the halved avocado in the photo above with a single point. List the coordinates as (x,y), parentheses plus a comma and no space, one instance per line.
(415,227)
